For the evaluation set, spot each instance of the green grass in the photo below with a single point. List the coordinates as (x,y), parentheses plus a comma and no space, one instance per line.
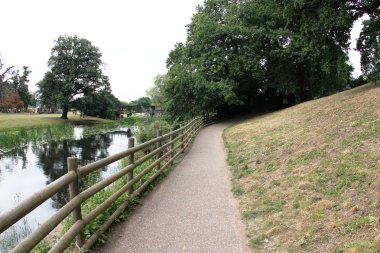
(314,167)
(18,129)
(13,235)
(15,121)
(360,222)
(267,206)
(18,138)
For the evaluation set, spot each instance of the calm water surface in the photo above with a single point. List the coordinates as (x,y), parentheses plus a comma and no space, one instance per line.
(27,170)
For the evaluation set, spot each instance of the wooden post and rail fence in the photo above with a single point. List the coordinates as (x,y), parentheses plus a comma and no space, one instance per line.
(166,148)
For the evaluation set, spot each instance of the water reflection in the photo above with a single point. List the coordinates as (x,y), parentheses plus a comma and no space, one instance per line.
(27,170)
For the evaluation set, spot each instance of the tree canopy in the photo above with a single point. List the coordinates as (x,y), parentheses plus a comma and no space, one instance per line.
(101,104)
(156,92)
(368,45)
(75,71)
(141,104)
(252,54)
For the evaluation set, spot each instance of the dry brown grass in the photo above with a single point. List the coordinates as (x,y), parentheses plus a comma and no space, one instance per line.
(308,177)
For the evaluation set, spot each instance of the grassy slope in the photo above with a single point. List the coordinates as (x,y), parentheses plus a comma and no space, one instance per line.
(14,121)
(308,177)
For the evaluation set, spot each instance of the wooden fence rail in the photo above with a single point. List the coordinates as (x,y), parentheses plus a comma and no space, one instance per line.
(166,148)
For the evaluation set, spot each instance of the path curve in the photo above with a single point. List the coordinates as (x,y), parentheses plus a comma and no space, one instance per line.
(192,210)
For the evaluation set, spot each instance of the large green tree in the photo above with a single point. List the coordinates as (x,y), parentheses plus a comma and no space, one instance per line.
(76,71)
(238,52)
(203,72)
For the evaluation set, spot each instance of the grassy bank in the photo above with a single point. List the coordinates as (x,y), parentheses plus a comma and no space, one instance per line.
(308,177)
(18,129)
(15,121)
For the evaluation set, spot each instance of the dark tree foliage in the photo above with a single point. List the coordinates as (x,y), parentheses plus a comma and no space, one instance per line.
(14,92)
(101,104)
(141,104)
(20,84)
(252,54)
(368,43)
(47,94)
(361,7)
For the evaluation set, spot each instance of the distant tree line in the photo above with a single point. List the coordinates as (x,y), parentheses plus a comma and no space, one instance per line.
(254,55)
(140,105)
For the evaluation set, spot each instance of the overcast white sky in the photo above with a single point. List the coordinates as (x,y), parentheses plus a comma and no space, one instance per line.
(135,37)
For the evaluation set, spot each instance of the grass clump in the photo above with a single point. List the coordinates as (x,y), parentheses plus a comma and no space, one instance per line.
(13,235)
(16,121)
(17,129)
(18,138)
(16,233)
(314,167)
(268,206)
(359,223)
(148,126)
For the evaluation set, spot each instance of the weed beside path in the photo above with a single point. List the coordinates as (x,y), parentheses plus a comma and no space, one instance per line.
(308,177)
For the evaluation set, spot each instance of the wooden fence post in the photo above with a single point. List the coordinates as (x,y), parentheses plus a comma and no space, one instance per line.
(159,145)
(74,191)
(131,160)
(188,128)
(186,133)
(183,137)
(172,137)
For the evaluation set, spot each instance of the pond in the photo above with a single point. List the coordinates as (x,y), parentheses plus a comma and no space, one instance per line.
(29,169)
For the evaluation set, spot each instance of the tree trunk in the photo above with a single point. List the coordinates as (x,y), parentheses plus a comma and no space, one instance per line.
(65,110)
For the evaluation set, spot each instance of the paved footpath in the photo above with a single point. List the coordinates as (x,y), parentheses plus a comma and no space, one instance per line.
(192,210)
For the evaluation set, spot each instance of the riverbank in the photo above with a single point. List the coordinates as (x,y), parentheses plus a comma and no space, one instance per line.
(16,130)
(16,121)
